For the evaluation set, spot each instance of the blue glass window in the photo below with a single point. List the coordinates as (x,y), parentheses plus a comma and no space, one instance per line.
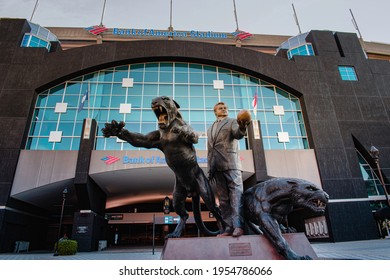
(120,75)
(181,77)
(117,89)
(32,41)
(190,84)
(166,77)
(181,67)
(374,187)
(305,50)
(151,77)
(137,76)
(165,90)
(65,144)
(347,73)
(44,144)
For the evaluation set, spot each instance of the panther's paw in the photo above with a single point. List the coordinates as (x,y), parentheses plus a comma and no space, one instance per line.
(113,129)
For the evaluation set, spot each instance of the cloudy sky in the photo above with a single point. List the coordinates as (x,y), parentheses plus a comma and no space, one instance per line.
(255,16)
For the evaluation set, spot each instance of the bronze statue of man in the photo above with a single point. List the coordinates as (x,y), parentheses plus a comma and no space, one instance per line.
(225,167)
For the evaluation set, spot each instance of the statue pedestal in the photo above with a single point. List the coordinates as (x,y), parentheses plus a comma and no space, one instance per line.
(245,247)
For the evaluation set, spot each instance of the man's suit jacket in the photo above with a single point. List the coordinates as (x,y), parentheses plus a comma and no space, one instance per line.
(223,145)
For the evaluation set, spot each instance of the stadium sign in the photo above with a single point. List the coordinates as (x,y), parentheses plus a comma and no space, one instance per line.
(238,34)
(165,33)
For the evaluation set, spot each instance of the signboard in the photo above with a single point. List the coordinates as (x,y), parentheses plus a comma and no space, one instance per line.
(168,220)
(152,160)
(171,220)
(82,229)
(165,33)
(115,216)
(102,161)
(146,32)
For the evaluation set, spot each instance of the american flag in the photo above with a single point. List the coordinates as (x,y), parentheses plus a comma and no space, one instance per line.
(110,159)
(241,34)
(97,29)
(254,104)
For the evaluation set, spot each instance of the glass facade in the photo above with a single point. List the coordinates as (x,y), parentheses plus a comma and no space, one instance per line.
(374,189)
(347,73)
(297,45)
(125,93)
(33,41)
(38,37)
(371,180)
(306,49)
(294,41)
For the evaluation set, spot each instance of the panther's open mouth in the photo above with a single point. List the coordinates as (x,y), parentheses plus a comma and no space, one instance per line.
(161,115)
(317,205)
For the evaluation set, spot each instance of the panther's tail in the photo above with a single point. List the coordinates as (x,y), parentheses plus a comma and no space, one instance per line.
(198,218)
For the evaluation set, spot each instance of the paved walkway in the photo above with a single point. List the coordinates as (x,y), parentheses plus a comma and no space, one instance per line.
(143,253)
(378,249)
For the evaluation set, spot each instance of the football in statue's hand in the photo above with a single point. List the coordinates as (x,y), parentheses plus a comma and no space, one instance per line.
(244,116)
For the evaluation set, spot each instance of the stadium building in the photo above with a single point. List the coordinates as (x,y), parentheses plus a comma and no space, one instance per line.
(323,102)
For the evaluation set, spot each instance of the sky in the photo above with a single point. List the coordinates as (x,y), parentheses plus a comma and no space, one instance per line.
(254,16)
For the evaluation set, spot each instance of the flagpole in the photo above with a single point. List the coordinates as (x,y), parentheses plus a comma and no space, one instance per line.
(358,30)
(170,17)
(296,19)
(35,8)
(235,15)
(355,25)
(104,9)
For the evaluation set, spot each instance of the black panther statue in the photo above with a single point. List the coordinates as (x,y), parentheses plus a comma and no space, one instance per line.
(267,205)
(175,138)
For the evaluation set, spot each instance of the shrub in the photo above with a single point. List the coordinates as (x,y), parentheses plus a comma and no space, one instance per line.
(67,247)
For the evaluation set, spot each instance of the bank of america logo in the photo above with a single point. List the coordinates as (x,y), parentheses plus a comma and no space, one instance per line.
(97,29)
(241,34)
(110,159)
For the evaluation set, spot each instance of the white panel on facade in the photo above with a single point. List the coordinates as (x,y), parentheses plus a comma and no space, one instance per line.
(218,84)
(278,110)
(127,82)
(293,163)
(61,107)
(283,137)
(124,108)
(55,136)
(39,169)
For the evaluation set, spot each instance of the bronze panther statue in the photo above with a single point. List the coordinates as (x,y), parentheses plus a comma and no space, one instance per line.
(267,205)
(175,138)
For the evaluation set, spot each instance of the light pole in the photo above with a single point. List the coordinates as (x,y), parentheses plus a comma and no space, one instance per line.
(374,152)
(64,192)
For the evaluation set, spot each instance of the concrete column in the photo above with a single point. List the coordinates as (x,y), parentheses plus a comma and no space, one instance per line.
(89,194)
(256,145)
(88,224)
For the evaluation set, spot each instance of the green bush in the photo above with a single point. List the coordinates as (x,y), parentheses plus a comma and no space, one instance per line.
(67,247)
